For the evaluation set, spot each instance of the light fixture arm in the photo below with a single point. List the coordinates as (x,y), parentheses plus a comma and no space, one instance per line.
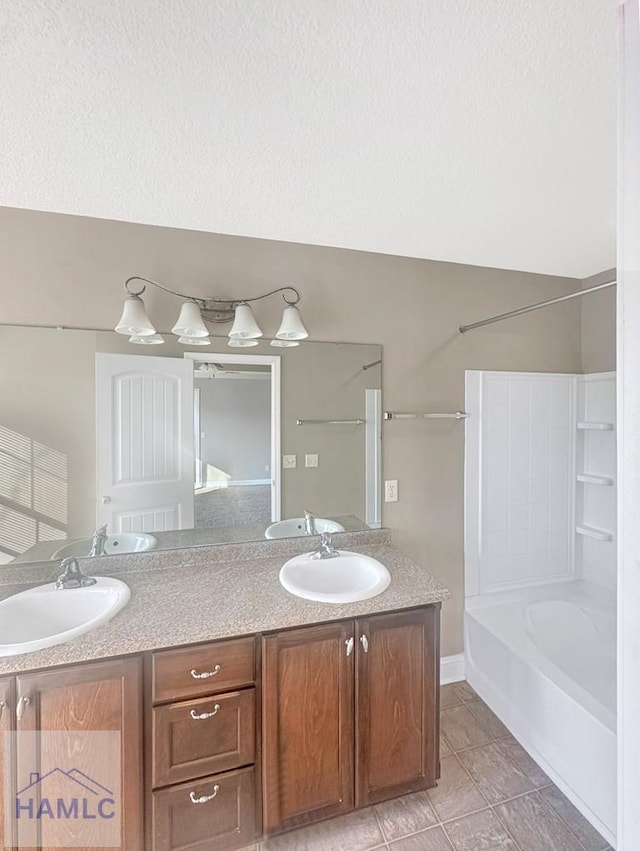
(214,309)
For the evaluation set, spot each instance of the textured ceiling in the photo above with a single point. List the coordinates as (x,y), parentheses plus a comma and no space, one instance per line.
(474,131)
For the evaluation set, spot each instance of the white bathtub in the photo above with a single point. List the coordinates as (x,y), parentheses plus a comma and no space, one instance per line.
(544,660)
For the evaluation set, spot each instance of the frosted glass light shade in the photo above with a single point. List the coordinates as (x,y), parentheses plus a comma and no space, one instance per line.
(242,343)
(134,320)
(190,322)
(194,341)
(151,340)
(284,344)
(245,326)
(291,327)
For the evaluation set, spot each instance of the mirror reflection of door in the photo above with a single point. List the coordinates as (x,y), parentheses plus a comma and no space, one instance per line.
(233,483)
(144,442)
(186,443)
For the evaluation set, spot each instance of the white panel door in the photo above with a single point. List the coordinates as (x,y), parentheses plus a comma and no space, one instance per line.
(144,443)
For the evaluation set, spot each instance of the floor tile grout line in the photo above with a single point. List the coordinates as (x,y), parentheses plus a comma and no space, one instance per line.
(513,762)
(380,827)
(505,825)
(568,826)
(449,839)
(492,742)
(507,830)
(535,787)
(508,759)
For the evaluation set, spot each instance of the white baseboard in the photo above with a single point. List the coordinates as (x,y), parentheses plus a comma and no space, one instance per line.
(451,669)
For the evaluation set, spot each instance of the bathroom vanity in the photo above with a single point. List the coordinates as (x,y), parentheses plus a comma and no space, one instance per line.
(293,712)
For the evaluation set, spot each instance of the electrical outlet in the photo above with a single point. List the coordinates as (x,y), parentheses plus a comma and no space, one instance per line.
(288,462)
(391,490)
(311,460)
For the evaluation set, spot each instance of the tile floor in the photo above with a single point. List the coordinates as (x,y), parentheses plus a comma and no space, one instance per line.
(491,797)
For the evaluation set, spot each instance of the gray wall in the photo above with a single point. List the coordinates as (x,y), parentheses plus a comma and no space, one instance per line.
(331,387)
(598,325)
(60,269)
(235,416)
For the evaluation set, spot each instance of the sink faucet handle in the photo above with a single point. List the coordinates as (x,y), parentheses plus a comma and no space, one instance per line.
(326,548)
(310,523)
(98,541)
(72,576)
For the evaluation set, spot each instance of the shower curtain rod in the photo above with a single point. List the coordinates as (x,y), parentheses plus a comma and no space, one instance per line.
(464,328)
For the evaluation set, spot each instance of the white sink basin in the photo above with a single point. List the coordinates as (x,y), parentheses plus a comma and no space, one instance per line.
(125,542)
(45,616)
(296,527)
(346,578)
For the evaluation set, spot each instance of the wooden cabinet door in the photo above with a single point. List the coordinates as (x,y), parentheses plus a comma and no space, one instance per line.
(397,730)
(7,714)
(308,747)
(97,697)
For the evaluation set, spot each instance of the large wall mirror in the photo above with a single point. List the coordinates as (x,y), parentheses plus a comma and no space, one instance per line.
(188,448)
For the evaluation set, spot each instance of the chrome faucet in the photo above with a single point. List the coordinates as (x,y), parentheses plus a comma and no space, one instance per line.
(98,541)
(72,576)
(326,549)
(309,523)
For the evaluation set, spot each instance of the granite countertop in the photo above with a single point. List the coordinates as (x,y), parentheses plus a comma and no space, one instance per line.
(208,593)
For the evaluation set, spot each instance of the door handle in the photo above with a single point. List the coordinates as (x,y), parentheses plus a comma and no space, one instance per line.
(105,500)
(2,707)
(349,646)
(22,704)
(365,643)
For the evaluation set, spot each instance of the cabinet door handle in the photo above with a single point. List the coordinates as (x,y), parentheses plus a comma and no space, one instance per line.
(22,704)
(203,715)
(349,644)
(2,707)
(365,643)
(203,798)
(205,674)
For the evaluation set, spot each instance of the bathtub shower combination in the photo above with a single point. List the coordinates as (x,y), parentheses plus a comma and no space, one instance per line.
(540,572)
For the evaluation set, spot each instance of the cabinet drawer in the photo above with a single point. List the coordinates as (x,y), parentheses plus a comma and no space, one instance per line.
(203,669)
(200,737)
(218,823)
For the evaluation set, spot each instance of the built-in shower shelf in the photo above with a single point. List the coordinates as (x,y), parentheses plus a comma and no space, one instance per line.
(591,479)
(596,534)
(594,426)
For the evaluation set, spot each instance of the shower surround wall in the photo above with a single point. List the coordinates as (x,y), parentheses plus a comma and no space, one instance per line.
(540,572)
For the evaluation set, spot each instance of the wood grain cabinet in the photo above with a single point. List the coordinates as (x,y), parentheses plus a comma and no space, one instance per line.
(7,721)
(56,714)
(203,747)
(350,715)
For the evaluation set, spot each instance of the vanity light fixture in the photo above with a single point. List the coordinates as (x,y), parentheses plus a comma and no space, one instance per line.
(194,341)
(150,340)
(191,328)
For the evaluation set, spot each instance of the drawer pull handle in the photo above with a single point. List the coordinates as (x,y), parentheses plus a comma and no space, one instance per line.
(365,643)
(21,706)
(205,674)
(203,798)
(204,715)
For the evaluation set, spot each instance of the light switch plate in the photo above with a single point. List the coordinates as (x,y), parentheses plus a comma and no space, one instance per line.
(311,460)
(391,490)
(288,462)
